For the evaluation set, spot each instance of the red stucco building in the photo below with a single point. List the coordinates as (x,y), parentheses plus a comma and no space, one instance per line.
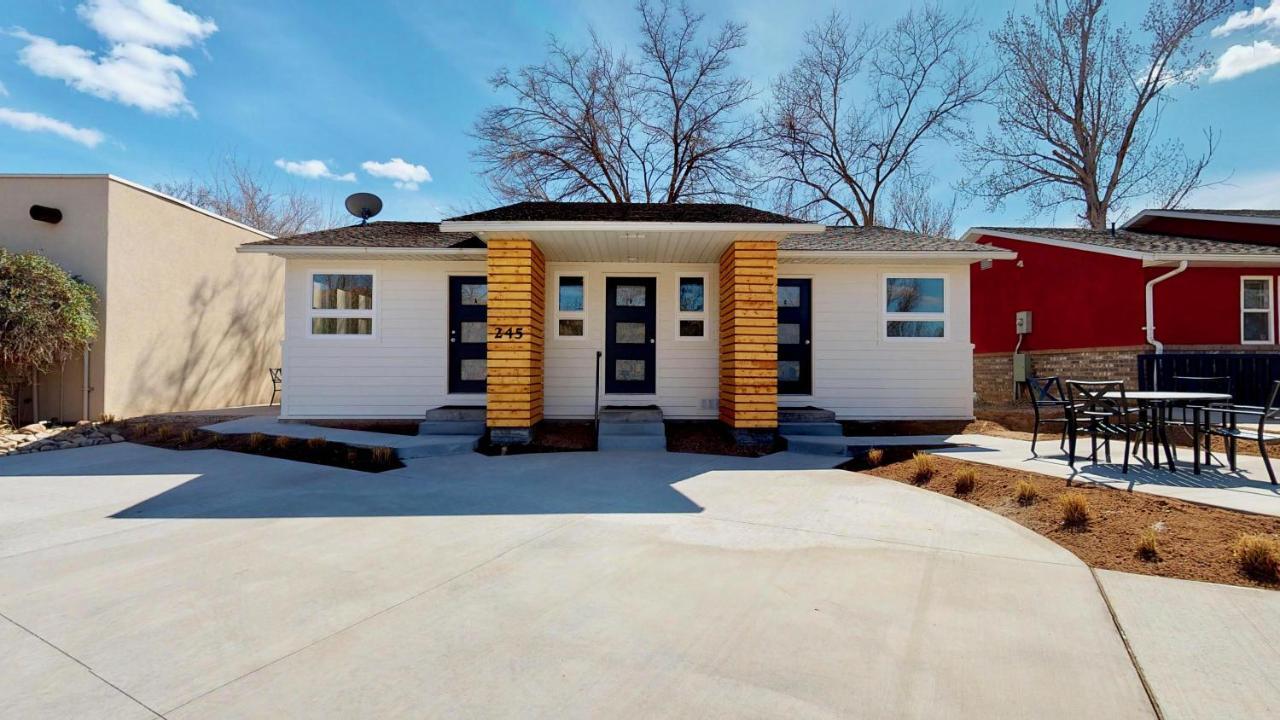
(1167,281)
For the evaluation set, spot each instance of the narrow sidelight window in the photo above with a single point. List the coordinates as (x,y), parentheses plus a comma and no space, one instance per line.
(571,306)
(1257,311)
(341,304)
(691,308)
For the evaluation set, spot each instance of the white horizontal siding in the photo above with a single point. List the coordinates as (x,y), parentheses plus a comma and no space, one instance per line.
(862,376)
(687,370)
(400,372)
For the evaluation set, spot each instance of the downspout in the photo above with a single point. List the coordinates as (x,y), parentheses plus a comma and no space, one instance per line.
(1151,314)
(85,411)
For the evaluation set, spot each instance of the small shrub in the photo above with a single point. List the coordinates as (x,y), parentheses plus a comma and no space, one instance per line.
(923,467)
(1075,509)
(384,455)
(106,418)
(283,442)
(316,443)
(256,441)
(1259,557)
(1025,493)
(1149,546)
(188,436)
(875,456)
(966,480)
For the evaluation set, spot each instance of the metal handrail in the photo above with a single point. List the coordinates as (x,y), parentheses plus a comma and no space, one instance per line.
(596,445)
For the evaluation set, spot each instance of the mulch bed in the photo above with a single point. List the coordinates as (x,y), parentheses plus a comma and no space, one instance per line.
(1195,542)
(710,437)
(183,433)
(549,436)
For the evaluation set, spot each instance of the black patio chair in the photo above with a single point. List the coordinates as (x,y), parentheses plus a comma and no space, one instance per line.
(1104,418)
(277,383)
(1230,431)
(1047,397)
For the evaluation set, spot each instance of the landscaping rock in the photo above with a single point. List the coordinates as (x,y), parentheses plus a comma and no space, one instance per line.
(32,429)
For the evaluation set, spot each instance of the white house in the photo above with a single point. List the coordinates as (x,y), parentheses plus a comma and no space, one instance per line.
(703,310)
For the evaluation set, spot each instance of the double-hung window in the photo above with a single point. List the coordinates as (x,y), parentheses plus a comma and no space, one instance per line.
(341,304)
(571,306)
(691,315)
(915,307)
(1257,311)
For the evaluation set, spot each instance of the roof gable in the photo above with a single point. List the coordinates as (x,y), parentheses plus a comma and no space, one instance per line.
(626,212)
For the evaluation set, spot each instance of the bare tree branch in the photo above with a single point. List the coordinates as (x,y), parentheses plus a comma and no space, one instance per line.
(592,124)
(854,114)
(912,207)
(1079,106)
(236,190)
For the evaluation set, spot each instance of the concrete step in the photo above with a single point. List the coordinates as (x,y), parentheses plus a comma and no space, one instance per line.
(633,442)
(630,414)
(632,428)
(457,413)
(451,427)
(811,428)
(807,414)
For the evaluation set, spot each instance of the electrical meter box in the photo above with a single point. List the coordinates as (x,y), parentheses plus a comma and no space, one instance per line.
(1022,322)
(1021,367)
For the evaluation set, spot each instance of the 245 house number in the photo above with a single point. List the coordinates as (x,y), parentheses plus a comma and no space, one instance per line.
(508,333)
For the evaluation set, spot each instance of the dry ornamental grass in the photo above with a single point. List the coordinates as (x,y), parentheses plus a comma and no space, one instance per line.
(875,456)
(966,480)
(1148,545)
(1025,493)
(1075,510)
(923,467)
(1259,557)
(316,443)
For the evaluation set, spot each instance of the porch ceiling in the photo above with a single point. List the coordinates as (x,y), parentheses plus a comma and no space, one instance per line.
(645,244)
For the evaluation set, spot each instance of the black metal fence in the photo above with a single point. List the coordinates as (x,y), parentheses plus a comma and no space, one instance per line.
(1251,373)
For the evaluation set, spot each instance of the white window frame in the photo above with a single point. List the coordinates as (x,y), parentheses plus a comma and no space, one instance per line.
(887,317)
(313,313)
(693,314)
(571,314)
(1270,311)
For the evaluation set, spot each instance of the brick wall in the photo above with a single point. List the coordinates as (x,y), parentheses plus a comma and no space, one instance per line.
(993,372)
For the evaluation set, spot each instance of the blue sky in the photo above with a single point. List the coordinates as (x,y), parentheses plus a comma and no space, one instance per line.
(383,93)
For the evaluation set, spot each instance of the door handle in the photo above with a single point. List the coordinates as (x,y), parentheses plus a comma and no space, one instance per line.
(651,341)
(806,342)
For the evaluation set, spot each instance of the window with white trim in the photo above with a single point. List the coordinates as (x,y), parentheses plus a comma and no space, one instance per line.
(1257,311)
(691,307)
(341,304)
(915,307)
(571,306)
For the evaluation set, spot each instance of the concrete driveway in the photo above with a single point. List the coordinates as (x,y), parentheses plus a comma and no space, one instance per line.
(137,582)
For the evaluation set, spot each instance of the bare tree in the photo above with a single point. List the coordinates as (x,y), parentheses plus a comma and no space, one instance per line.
(858,109)
(1079,107)
(592,124)
(913,207)
(236,190)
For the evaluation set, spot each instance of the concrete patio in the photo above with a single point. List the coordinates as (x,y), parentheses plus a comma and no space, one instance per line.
(140,582)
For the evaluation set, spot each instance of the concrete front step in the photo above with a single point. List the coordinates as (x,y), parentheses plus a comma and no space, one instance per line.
(630,414)
(457,413)
(811,428)
(451,427)
(632,442)
(632,428)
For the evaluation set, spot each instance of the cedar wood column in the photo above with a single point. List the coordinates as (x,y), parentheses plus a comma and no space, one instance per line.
(749,339)
(517,290)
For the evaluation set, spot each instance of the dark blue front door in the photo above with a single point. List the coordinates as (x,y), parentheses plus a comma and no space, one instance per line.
(468,334)
(630,335)
(795,331)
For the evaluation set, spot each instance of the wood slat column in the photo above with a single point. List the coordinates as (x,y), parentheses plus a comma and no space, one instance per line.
(749,337)
(517,290)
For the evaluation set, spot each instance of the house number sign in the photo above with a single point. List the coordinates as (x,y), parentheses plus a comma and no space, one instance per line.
(508,333)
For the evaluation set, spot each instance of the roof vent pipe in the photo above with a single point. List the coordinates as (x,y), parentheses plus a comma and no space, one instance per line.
(1113,228)
(50,215)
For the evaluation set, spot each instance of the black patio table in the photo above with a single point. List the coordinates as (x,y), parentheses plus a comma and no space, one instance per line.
(1160,401)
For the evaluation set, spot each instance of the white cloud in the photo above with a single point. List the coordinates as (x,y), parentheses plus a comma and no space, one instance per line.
(313,170)
(406,174)
(1254,191)
(1243,59)
(154,23)
(35,122)
(1268,17)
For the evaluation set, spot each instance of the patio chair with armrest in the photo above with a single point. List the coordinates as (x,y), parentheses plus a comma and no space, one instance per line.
(1047,397)
(1103,417)
(277,383)
(1229,429)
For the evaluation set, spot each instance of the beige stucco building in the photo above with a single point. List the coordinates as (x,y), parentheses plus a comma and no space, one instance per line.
(186,322)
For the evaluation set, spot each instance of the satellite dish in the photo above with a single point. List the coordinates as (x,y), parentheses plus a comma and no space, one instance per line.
(364,205)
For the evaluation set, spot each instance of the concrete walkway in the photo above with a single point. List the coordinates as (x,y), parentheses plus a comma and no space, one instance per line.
(137,582)
(1248,489)
(405,446)
(1208,651)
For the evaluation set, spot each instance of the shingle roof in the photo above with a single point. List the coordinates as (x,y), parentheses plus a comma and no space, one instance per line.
(877,239)
(626,212)
(383,234)
(1237,213)
(1139,242)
